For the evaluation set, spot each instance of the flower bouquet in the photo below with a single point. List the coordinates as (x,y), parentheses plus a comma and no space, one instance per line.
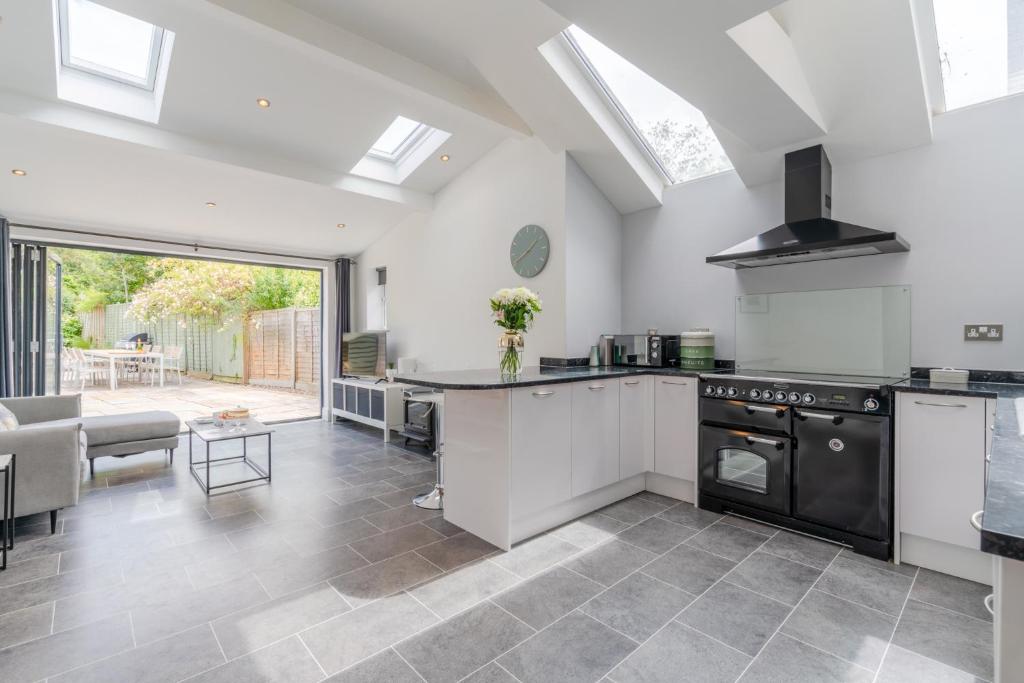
(514,311)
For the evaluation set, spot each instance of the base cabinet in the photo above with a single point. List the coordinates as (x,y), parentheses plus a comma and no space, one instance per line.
(675,427)
(636,426)
(541,447)
(595,435)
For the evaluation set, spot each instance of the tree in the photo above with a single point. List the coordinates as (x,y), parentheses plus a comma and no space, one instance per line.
(688,151)
(207,290)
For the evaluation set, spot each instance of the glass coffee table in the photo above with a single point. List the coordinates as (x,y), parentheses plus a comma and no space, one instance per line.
(230,430)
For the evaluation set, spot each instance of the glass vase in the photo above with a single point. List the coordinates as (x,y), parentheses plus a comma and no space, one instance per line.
(510,354)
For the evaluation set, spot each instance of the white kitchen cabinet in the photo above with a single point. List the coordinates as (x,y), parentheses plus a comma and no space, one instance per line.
(940,454)
(636,426)
(541,456)
(595,435)
(675,427)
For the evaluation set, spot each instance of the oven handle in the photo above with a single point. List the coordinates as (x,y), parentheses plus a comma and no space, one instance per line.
(835,419)
(767,442)
(779,412)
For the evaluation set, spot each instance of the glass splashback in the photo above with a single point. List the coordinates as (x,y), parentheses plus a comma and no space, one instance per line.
(864,331)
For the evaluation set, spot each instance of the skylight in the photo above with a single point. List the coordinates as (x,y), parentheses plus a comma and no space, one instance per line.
(400,137)
(674,134)
(103,42)
(981,49)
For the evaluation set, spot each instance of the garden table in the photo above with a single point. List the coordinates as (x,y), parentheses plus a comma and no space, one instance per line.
(112,356)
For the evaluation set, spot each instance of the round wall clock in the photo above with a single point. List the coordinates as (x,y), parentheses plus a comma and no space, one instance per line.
(530,250)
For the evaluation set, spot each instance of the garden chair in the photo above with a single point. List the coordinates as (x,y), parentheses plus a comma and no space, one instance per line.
(173,359)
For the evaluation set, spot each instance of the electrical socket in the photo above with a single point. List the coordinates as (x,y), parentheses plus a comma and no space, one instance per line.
(990,333)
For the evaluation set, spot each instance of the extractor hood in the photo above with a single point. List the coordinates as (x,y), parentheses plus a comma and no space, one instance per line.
(809,233)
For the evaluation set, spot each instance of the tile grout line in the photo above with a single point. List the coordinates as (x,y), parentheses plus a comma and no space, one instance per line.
(312,656)
(888,645)
(411,667)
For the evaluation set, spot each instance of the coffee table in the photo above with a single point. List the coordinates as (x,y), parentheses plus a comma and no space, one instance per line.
(230,430)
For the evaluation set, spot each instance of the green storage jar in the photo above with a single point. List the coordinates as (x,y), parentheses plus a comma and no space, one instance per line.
(697,350)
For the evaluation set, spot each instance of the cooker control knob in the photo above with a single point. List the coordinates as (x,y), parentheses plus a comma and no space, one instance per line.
(780,396)
(709,390)
(870,404)
(794,397)
(654,354)
(733,391)
(720,391)
(809,399)
(755,394)
(767,394)
(655,343)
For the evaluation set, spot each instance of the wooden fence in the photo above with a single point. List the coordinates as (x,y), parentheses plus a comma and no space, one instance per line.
(282,348)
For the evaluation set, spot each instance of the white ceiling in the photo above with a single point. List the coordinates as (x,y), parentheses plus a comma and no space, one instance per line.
(847,74)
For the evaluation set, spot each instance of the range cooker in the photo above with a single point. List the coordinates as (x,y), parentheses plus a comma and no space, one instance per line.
(808,452)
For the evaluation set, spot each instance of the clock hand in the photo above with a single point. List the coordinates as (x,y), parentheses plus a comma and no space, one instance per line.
(528,250)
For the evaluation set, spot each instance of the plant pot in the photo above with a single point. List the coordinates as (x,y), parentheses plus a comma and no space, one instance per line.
(510,354)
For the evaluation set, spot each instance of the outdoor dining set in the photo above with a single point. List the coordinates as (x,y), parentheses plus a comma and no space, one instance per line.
(152,362)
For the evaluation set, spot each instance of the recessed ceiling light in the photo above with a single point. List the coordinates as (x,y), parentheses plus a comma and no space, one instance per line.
(263,102)
(445,157)
(341,225)
(210,205)
(19,172)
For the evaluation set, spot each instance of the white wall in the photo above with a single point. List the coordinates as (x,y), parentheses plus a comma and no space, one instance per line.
(443,267)
(958,201)
(593,263)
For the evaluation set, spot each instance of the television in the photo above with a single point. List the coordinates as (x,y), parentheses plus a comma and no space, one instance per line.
(364,354)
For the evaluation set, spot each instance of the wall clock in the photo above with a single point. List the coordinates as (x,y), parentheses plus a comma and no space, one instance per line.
(530,250)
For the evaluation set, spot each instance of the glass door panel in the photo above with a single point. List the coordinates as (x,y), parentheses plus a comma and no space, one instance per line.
(743,469)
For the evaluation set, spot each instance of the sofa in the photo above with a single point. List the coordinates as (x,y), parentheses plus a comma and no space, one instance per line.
(52,439)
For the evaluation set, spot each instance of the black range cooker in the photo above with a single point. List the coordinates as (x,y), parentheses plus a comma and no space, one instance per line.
(808,452)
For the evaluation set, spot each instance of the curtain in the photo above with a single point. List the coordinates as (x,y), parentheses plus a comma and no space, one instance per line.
(343,319)
(6,340)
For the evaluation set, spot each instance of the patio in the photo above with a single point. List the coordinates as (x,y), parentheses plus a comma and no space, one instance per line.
(194,398)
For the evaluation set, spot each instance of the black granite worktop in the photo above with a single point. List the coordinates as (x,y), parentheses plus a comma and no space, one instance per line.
(461,380)
(1002,528)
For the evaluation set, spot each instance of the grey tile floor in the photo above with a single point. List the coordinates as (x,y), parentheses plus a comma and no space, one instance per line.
(330,573)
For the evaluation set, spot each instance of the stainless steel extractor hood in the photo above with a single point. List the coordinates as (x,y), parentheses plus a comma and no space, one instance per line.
(809,233)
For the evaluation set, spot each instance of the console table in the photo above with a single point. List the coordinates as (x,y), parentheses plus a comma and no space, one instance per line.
(378,404)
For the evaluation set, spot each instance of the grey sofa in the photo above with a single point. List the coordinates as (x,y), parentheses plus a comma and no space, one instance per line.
(52,439)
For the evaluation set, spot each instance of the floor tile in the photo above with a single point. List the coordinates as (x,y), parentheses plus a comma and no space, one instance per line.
(656,535)
(575,648)
(750,525)
(309,538)
(960,641)
(58,586)
(60,652)
(287,660)
(535,555)
(903,569)
(461,645)
(164,661)
(137,592)
(736,616)
(865,584)
(951,592)
(679,653)
(344,512)
(727,540)
(903,666)
(632,510)
(548,596)
(385,578)
(785,659)
(250,629)
(802,549)
(443,526)
(153,622)
(456,551)
(354,493)
(289,574)
(774,577)
(391,543)
(492,673)
(610,562)
(25,624)
(386,667)
(464,587)
(688,515)
(847,630)
(657,498)
(637,606)
(589,530)
(341,642)
(29,570)
(394,518)
(688,568)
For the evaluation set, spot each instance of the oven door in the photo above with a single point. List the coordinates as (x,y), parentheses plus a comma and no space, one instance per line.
(745,467)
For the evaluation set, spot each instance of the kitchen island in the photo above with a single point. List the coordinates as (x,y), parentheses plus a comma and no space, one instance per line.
(523,456)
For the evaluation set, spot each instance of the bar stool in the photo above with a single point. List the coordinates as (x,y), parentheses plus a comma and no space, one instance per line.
(434,499)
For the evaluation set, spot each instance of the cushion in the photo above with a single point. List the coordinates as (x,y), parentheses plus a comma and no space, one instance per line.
(8,420)
(112,429)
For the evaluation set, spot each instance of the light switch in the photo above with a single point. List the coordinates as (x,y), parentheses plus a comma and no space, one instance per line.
(989,332)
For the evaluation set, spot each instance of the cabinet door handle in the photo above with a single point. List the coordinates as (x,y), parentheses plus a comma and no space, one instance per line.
(976,519)
(834,419)
(941,405)
(543,394)
(596,387)
(779,412)
(678,384)
(632,384)
(989,600)
(766,442)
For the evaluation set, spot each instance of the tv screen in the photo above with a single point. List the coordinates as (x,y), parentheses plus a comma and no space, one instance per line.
(364,354)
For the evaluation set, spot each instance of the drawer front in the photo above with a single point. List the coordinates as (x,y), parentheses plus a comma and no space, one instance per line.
(541,448)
